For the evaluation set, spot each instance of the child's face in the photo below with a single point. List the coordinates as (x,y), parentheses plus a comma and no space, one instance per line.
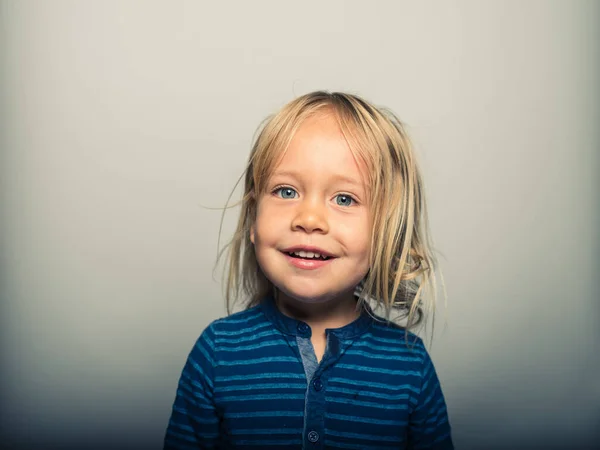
(315,200)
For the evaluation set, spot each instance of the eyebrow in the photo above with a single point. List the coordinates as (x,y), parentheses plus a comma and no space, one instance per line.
(336,177)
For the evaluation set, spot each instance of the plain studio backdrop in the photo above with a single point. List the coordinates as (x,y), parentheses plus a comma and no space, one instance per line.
(122,121)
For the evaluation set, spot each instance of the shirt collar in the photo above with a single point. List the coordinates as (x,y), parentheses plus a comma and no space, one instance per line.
(289,325)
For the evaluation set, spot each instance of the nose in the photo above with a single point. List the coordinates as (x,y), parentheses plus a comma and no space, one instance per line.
(311,217)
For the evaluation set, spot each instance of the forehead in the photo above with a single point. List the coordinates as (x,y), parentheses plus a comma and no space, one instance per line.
(319,147)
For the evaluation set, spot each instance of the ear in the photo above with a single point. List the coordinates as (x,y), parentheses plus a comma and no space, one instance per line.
(252,234)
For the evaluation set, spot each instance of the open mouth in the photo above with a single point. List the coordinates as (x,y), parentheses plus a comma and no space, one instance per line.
(308,255)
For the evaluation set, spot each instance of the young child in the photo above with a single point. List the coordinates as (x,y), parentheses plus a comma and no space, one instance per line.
(333,219)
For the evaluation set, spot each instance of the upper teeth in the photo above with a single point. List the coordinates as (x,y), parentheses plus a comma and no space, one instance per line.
(304,254)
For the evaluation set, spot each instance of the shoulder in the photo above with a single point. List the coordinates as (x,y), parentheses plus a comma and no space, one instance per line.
(239,321)
(387,330)
(386,337)
(241,325)
(236,328)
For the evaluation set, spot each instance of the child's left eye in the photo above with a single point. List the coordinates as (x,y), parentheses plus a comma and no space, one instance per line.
(344,200)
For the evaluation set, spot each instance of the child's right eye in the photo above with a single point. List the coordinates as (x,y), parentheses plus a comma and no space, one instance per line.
(285,192)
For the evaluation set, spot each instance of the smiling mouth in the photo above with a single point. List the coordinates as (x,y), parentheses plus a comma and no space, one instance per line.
(309,256)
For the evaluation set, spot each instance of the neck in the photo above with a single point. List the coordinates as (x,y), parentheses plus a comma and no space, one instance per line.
(334,313)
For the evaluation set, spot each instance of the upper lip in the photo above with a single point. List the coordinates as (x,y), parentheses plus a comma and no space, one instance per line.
(308,248)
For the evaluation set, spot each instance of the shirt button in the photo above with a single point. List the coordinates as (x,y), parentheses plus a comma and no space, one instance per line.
(303,328)
(313,436)
(318,384)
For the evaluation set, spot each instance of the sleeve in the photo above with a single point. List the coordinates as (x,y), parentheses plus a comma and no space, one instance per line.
(429,427)
(194,422)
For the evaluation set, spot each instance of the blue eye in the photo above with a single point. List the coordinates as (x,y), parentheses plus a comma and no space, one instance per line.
(286,192)
(344,200)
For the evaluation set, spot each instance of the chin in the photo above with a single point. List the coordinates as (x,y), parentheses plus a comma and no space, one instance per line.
(307,297)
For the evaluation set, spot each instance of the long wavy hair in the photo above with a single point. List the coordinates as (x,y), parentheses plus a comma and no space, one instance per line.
(402,263)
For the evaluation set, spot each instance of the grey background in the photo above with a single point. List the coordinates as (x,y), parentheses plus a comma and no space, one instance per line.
(122,121)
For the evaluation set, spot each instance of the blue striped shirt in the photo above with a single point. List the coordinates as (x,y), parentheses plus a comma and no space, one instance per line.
(252,381)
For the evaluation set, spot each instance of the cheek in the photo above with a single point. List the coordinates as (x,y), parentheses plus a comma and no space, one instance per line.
(271,219)
(356,233)
(264,232)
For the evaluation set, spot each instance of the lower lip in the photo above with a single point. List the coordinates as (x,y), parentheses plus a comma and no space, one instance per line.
(308,264)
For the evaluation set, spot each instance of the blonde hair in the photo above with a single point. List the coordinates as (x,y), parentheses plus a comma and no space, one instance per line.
(402,263)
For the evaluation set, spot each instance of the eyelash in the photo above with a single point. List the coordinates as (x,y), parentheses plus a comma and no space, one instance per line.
(278,189)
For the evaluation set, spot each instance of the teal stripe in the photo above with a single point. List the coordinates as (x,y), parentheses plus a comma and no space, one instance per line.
(206,338)
(186,393)
(259,346)
(193,398)
(433,429)
(365,437)
(397,342)
(204,420)
(360,419)
(265,442)
(253,414)
(427,377)
(442,437)
(244,398)
(254,431)
(435,416)
(181,426)
(207,356)
(245,317)
(352,402)
(360,383)
(195,382)
(351,445)
(395,349)
(369,394)
(192,438)
(379,370)
(248,387)
(200,370)
(185,384)
(249,338)
(385,357)
(266,359)
(432,394)
(220,333)
(262,376)
(437,404)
